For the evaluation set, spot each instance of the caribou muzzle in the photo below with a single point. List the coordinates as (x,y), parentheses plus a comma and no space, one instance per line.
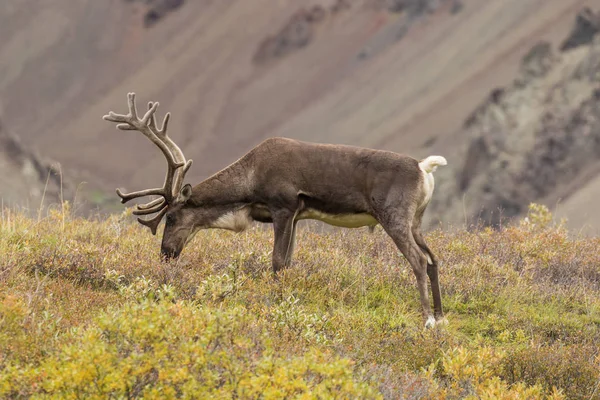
(168,254)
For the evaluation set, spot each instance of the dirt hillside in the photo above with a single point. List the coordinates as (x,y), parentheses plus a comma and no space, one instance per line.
(401,75)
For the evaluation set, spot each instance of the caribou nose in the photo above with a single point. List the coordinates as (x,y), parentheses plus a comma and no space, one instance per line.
(168,254)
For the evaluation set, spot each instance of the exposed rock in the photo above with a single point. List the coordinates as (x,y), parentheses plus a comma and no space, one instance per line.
(299,30)
(587,25)
(340,5)
(26,178)
(157,9)
(532,139)
(416,8)
(296,34)
(457,7)
(537,62)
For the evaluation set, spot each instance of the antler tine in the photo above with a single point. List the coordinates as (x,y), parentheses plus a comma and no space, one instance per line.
(187,166)
(131,105)
(150,204)
(172,181)
(165,124)
(174,177)
(178,181)
(162,133)
(153,223)
(149,118)
(130,117)
(125,197)
(177,153)
(152,122)
(150,210)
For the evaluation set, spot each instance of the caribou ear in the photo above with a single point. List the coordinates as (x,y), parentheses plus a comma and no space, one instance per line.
(186,192)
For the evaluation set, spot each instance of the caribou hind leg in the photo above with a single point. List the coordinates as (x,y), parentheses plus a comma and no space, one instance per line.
(432,272)
(395,223)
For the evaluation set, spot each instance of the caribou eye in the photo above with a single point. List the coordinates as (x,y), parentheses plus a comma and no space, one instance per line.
(170,219)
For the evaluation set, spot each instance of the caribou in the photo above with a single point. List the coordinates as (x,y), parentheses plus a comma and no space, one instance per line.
(282,181)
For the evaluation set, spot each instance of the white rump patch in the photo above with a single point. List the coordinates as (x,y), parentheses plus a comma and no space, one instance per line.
(236,221)
(431,163)
(427,166)
(428,185)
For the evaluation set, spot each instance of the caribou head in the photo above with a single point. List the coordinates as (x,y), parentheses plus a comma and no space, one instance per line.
(174,196)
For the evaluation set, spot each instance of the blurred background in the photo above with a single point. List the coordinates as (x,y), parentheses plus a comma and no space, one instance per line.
(507,90)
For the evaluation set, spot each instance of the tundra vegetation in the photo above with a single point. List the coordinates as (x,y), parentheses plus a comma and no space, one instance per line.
(88,310)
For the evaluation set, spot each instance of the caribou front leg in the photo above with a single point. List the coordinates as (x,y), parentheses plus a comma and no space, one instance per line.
(283,227)
(290,251)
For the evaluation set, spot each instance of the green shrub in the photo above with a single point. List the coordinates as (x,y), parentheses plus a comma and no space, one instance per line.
(163,349)
(474,374)
(87,309)
(575,369)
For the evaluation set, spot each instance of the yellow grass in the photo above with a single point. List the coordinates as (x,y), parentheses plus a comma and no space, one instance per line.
(87,310)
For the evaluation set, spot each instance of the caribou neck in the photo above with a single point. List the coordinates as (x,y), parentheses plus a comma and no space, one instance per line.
(230,186)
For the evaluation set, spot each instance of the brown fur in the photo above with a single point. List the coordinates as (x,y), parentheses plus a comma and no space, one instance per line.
(281,178)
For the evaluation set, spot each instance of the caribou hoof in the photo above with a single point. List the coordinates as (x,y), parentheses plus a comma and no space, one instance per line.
(430,322)
(441,322)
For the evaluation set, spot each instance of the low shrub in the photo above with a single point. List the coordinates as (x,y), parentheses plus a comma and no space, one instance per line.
(88,310)
(171,349)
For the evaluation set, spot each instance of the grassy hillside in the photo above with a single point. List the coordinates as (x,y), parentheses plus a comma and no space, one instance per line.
(87,310)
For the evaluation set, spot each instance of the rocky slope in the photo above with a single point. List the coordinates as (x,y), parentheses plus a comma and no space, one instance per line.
(26,180)
(537,139)
(401,75)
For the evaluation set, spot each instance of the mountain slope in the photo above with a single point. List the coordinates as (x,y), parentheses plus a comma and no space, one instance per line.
(537,139)
(27,180)
(358,74)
